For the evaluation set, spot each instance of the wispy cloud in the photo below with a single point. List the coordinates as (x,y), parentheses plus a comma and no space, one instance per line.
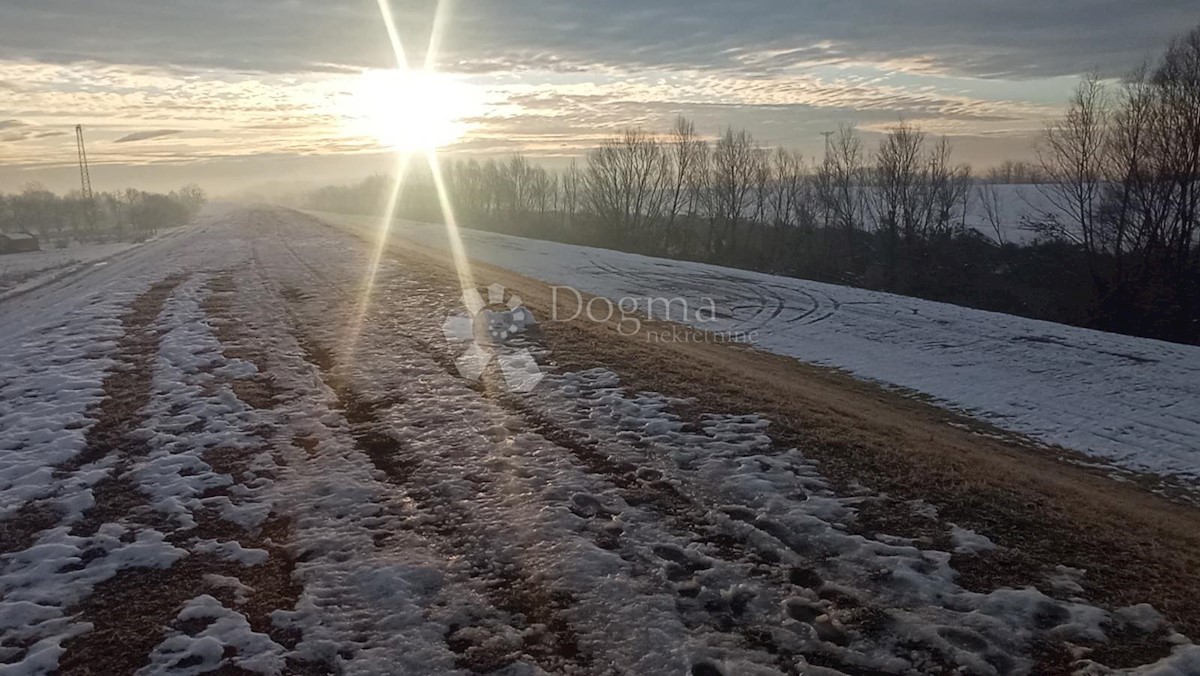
(1018,38)
(146,135)
(222,79)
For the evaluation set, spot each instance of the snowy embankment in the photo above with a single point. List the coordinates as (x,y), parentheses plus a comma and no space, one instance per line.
(1132,402)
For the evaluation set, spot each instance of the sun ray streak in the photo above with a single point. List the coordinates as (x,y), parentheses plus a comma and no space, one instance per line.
(440,13)
(394,35)
(462,264)
(350,343)
(458,251)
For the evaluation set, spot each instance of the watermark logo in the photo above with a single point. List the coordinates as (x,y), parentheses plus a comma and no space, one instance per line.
(487,326)
(680,320)
(491,323)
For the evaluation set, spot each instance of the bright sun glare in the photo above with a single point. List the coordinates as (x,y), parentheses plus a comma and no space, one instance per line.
(411,110)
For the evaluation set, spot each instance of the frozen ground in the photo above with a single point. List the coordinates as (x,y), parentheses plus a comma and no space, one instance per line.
(213,458)
(1132,402)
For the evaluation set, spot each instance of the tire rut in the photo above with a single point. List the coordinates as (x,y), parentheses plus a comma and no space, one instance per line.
(498,575)
(133,609)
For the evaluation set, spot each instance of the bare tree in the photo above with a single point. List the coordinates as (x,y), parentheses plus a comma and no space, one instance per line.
(993,209)
(1177,79)
(735,162)
(572,180)
(895,198)
(947,192)
(684,149)
(625,182)
(1072,156)
(840,177)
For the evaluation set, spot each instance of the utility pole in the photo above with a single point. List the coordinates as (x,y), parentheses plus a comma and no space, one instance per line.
(85,178)
(827,135)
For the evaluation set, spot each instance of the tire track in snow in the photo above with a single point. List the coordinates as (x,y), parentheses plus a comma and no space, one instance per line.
(126,391)
(679,515)
(509,590)
(447,526)
(133,608)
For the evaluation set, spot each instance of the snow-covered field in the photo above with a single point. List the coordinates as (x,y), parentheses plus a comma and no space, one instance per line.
(1011,207)
(25,270)
(1132,402)
(213,458)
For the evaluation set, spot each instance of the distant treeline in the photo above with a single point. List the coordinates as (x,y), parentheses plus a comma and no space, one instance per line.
(122,215)
(1116,246)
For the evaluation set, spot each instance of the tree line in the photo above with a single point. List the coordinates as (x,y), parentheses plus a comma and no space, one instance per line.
(108,216)
(1115,246)
(1123,169)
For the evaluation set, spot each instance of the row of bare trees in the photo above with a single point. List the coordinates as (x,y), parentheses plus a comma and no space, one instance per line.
(1123,170)
(122,214)
(730,199)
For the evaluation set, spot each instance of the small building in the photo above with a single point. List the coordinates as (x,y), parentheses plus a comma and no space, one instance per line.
(18,242)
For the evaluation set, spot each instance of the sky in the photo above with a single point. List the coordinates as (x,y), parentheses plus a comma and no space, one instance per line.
(247,95)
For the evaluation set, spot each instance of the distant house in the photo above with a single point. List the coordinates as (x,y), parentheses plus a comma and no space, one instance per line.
(18,242)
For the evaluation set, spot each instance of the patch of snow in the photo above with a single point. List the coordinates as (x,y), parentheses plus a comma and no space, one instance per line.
(193,411)
(39,586)
(1184,660)
(1066,579)
(228,631)
(241,591)
(233,551)
(967,541)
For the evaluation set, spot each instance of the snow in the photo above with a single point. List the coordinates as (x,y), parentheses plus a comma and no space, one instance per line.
(1018,206)
(56,344)
(1131,402)
(228,631)
(39,584)
(22,271)
(1183,661)
(730,456)
(193,411)
(652,603)
(967,541)
(47,383)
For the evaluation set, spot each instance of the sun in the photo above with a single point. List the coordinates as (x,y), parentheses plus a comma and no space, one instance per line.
(410,110)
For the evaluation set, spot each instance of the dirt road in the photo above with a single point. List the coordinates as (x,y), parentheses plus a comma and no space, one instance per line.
(223,452)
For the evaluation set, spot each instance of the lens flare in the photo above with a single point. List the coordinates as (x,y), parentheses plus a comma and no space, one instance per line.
(410,110)
(414,112)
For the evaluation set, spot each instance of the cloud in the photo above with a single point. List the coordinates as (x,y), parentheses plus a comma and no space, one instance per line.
(146,135)
(1017,38)
(230,79)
